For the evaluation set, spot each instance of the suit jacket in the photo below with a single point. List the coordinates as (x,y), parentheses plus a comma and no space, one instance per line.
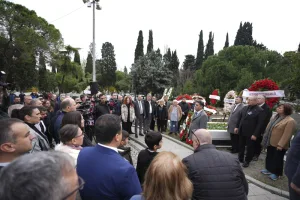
(233,117)
(147,108)
(198,122)
(250,121)
(268,114)
(282,132)
(292,164)
(109,177)
(137,108)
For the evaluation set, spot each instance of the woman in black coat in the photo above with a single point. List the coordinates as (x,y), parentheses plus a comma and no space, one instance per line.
(161,115)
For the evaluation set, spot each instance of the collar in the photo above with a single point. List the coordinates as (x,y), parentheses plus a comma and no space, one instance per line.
(4,164)
(204,146)
(262,104)
(151,151)
(112,148)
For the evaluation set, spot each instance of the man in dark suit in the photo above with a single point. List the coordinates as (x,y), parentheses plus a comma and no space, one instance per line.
(139,108)
(232,120)
(149,112)
(106,173)
(249,127)
(152,124)
(292,168)
(268,114)
(185,111)
(199,119)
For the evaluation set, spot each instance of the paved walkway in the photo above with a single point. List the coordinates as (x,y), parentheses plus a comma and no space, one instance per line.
(255,192)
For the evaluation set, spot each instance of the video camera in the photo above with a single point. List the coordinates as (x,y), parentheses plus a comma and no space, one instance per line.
(2,82)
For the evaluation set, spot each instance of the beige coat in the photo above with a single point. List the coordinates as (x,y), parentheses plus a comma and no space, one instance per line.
(282,132)
(124,113)
(179,111)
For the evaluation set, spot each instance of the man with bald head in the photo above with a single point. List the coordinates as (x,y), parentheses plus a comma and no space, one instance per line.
(215,174)
(67,105)
(249,126)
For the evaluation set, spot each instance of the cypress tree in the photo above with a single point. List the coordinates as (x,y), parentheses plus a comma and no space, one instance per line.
(209,51)
(227,41)
(175,68)
(200,51)
(125,70)
(77,58)
(299,48)
(139,50)
(238,36)
(150,42)
(89,64)
(168,59)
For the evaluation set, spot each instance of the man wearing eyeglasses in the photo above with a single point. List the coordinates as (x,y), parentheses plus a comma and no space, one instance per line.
(215,174)
(46,174)
(199,119)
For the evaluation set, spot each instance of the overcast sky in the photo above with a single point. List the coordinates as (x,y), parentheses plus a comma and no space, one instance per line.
(175,23)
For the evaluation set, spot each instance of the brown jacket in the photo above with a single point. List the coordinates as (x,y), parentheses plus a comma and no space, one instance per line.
(282,132)
(179,111)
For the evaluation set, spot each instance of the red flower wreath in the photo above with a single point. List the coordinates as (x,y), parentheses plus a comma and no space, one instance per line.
(180,97)
(214,101)
(265,85)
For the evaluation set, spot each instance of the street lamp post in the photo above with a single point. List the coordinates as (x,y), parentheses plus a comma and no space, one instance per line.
(96,5)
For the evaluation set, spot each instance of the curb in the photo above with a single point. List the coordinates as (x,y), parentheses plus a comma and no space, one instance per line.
(260,184)
(269,188)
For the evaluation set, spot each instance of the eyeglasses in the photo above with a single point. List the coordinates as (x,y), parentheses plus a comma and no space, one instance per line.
(79,135)
(80,187)
(193,132)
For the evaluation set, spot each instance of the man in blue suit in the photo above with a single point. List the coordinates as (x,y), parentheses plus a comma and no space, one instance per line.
(106,174)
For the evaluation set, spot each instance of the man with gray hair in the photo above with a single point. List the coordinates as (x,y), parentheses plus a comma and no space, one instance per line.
(249,127)
(215,174)
(261,99)
(36,102)
(149,113)
(43,175)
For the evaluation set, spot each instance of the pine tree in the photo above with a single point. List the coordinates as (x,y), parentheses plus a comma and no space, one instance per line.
(108,65)
(158,53)
(209,51)
(189,62)
(200,52)
(227,41)
(139,50)
(150,42)
(299,48)
(89,64)
(77,58)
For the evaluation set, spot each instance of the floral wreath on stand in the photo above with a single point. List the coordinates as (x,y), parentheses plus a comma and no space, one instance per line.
(266,85)
(229,101)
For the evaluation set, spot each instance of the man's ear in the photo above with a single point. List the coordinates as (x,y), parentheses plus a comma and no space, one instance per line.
(7,147)
(27,117)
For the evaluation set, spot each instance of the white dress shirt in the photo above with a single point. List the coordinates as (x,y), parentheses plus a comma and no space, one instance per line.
(109,147)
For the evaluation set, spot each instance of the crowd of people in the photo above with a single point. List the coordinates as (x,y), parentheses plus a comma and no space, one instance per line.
(46,153)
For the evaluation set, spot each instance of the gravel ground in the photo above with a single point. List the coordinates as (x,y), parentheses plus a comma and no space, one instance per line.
(135,149)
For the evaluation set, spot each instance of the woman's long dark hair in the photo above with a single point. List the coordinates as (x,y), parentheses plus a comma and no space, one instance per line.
(73,117)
